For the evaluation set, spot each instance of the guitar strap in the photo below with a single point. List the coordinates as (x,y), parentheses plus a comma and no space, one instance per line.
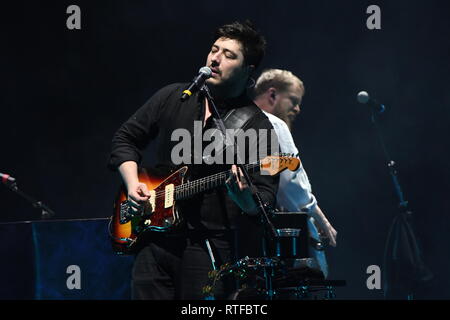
(239,118)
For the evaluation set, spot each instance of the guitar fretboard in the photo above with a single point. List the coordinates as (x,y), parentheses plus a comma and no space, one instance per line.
(192,188)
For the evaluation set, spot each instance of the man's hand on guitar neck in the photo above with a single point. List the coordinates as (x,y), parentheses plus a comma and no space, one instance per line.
(138,193)
(239,191)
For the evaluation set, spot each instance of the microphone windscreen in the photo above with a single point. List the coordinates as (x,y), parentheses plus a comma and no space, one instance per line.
(363,97)
(206,71)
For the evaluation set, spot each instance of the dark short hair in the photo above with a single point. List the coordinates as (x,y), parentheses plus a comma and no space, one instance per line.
(253,43)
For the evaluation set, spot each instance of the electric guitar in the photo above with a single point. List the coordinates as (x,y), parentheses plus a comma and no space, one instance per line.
(159,213)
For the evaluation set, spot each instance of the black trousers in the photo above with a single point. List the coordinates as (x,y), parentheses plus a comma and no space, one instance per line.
(177,267)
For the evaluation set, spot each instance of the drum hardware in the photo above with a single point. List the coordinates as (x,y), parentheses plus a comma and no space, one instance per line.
(241,270)
(287,272)
(287,243)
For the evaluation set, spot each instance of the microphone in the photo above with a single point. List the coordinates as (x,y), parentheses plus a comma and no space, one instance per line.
(6,178)
(203,74)
(364,98)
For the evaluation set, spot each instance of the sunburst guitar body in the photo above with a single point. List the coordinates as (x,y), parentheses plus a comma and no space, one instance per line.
(159,213)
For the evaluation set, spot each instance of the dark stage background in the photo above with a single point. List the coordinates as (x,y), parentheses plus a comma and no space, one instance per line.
(65,92)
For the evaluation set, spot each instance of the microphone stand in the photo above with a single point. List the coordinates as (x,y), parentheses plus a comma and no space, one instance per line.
(403,204)
(268,226)
(401,222)
(46,212)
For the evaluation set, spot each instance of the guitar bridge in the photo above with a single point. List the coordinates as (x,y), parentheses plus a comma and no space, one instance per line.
(125,212)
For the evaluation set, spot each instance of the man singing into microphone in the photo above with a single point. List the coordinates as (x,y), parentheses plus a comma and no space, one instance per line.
(176,265)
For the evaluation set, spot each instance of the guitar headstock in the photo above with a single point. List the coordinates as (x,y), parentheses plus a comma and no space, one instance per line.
(273,165)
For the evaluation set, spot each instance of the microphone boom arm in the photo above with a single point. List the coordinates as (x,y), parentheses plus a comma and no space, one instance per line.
(46,212)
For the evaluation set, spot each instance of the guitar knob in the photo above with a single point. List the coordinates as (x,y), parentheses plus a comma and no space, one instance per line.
(168,222)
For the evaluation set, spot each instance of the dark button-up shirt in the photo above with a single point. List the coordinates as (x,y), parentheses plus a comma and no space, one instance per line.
(163,113)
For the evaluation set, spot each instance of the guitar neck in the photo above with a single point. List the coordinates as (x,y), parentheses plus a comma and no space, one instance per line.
(191,188)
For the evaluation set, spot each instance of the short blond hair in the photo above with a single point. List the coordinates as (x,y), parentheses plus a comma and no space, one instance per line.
(276,78)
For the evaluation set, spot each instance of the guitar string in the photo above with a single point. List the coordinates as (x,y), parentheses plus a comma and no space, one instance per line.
(200,183)
(205,183)
(192,185)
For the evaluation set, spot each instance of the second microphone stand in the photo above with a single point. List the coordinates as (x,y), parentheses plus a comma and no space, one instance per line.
(403,265)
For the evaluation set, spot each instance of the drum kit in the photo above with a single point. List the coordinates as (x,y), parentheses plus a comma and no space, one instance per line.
(291,269)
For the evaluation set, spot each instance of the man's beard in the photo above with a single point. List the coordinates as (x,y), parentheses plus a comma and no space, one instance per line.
(289,121)
(225,90)
(283,116)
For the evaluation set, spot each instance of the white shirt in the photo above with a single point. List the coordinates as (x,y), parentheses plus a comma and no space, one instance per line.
(294,190)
